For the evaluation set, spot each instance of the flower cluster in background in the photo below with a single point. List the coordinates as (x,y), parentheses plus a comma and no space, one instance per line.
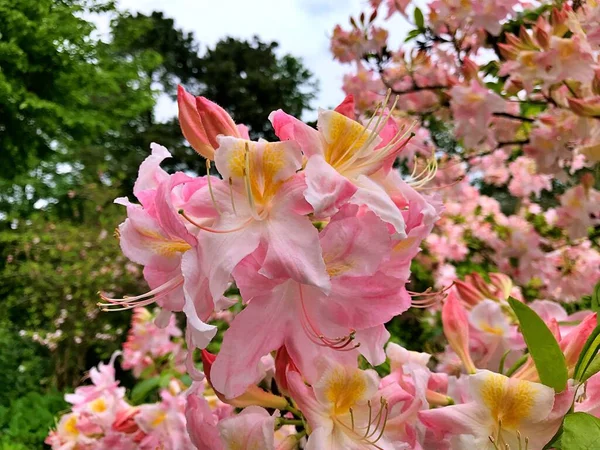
(508,99)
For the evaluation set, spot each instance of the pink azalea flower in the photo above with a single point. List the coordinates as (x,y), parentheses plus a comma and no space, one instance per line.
(103,384)
(472,107)
(260,200)
(507,410)
(146,342)
(346,408)
(252,428)
(493,167)
(589,401)
(579,210)
(164,423)
(342,156)
(304,319)
(525,180)
(67,435)
(157,236)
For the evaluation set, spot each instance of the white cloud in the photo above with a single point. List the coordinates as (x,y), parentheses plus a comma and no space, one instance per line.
(301,27)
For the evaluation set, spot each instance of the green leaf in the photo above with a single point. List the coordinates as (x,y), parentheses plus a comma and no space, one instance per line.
(581,431)
(596,302)
(419,19)
(413,34)
(143,388)
(592,369)
(545,351)
(587,355)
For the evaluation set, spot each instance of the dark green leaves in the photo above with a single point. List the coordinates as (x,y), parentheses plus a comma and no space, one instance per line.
(545,352)
(141,390)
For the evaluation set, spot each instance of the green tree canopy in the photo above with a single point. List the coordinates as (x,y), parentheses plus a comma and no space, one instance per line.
(249,80)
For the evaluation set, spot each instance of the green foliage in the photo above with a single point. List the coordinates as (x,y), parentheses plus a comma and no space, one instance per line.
(545,351)
(588,364)
(24,364)
(61,92)
(580,431)
(26,422)
(51,273)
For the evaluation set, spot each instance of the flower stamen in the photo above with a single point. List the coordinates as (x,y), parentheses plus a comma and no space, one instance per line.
(318,338)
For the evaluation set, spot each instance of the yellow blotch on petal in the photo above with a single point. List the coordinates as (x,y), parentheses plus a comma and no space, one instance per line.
(160,418)
(237,161)
(337,269)
(486,327)
(98,405)
(345,389)
(511,401)
(344,138)
(71,425)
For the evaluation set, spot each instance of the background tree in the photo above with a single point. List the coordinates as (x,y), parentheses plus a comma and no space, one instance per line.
(248,79)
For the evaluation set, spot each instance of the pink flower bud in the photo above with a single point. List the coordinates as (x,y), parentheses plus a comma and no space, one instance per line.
(347,108)
(470,69)
(503,285)
(125,421)
(468,293)
(202,121)
(573,343)
(456,329)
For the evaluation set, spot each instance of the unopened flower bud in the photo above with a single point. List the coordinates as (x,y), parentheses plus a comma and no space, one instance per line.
(202,121)
(456,330)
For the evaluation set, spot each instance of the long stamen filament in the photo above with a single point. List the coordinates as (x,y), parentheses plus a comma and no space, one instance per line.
(122,304)
(214,230)
(339,343)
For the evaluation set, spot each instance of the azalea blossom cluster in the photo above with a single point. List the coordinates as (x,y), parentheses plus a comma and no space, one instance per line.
(507,94)
(317,232)
(149,350)
(460,406)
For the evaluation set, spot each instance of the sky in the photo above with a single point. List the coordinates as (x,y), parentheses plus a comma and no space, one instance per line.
(301,27)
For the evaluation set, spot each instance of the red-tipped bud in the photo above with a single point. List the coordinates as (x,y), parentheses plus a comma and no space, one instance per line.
(456,330)
(573,343)
(125,421)
(508,52)
(479,283)
(253,395)
(587,181)
(503,285)
(202,121)
(468,293)
(558,20)
(470,69)
(347,107)
(542,37)
(526,39)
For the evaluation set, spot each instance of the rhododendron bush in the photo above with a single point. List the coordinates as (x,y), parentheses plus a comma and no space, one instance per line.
(468,155)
